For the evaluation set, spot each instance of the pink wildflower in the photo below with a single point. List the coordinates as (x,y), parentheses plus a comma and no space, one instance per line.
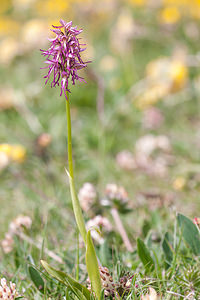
(63,56)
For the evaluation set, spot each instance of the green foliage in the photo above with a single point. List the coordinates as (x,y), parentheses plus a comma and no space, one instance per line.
(36,278)
(145,256)
(75,287)
(190,233)
(104,253)
(92,266)
(167,248)
(37,188)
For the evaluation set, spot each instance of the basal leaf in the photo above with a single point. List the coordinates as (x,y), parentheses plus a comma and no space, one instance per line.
(190,233)
(36,278)
(145,256)
(70,282)
(167,248)
(93,266)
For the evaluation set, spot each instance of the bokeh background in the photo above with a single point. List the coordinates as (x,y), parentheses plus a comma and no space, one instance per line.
(135,122)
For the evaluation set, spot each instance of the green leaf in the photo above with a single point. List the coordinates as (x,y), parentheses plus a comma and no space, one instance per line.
(30,260)
(67,296)
(145,256)
(190,233)
(102,295)
(36,278)
(77,288)
(167,248)
(104,254)
(93,266)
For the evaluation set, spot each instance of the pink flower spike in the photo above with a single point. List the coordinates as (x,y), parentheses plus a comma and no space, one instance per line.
(63,57)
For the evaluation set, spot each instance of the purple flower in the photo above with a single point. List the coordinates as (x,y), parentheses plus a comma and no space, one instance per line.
(63,56)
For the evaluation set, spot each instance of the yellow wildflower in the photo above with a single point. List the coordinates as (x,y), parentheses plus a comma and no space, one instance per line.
(137,2)
(52,7)
(179,183)
(8,26)
(179,74)
(185,7)
(170,71)
(16,153)
(152,95)
(170,15)
(176,2)
(195,11)
(83,1)
(6,148)
(164,76)
(5,5)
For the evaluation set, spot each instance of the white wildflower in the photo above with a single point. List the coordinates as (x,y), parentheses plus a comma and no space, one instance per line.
(102,223)
(113,191)
(8,291)
(87,196)
(15,227)
(7,243)
(126,160)
(152,118)
(19,223)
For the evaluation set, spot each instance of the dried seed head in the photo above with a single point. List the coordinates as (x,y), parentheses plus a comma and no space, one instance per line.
(106,281)
(124,284)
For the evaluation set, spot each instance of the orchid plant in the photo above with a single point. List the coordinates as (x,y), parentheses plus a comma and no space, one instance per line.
(63,59)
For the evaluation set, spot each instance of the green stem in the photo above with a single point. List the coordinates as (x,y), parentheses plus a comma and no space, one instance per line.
(91,258)
(77,258)
(75,202)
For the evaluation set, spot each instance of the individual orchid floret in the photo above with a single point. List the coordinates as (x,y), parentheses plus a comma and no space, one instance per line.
(63,58)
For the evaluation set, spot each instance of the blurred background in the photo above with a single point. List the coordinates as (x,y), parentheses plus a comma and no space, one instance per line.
(135,122)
